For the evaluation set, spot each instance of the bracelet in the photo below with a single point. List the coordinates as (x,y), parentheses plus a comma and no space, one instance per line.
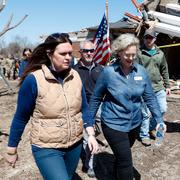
(11,154)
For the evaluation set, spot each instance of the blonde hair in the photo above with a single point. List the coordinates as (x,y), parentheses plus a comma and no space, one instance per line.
(123,41)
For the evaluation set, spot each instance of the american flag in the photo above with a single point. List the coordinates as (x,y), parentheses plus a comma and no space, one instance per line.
(101,41)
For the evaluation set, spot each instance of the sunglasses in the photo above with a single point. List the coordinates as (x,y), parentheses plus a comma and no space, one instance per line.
(87,50)
(58,38)
(59,35)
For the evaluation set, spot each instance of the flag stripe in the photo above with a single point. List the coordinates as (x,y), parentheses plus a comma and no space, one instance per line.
(101,41)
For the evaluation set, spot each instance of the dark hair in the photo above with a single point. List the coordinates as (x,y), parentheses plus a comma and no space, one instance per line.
(39,55)
(26,49)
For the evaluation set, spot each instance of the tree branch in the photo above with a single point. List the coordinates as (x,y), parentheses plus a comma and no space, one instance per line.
(7,27)
(2,5)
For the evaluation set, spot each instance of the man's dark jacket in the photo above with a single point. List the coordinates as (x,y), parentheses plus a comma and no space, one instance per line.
(88,76)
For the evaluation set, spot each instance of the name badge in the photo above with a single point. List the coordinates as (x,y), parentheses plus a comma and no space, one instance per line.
(138,78)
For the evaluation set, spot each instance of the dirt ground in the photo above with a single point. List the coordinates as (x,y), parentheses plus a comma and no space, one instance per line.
(150,163)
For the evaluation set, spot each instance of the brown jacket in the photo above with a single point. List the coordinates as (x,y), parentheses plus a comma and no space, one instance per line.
(56,120)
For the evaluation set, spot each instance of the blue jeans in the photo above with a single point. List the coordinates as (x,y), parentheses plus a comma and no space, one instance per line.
(57,164)
(149,123)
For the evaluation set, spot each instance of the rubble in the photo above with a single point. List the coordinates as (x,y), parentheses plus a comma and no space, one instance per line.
(175,86)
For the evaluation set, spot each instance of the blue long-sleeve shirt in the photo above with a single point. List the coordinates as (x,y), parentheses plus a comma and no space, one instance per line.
(25,106)
(121,96)
(22,66)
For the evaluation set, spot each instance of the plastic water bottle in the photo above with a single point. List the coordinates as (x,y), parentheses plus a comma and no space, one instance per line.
(159,135)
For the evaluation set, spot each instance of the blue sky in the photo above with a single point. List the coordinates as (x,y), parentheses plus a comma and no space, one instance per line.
(49,16)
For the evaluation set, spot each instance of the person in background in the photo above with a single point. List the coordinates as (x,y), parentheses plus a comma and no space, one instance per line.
(73,62)
(121,87)
(6,65)
(52,96)
(89,71)
(2,66)
(14,68)
(24,62)
(154,61)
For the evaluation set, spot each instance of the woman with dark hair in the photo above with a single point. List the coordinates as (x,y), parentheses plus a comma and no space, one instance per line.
(24,62)
(52,96)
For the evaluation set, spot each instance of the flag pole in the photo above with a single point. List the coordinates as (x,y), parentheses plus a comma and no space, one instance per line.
(107,17)
(101,40)
(107,13)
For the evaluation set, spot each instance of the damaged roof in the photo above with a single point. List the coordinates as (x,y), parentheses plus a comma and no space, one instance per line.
(123,23)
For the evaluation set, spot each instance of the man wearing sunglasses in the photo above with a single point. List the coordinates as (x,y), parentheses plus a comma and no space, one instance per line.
(87,68)
(153,59)
(89,71)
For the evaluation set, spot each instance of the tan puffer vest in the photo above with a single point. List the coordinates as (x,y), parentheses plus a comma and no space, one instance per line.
(57,119)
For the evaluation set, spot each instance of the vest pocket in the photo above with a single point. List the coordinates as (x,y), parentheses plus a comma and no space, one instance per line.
(53,132)
(78,124)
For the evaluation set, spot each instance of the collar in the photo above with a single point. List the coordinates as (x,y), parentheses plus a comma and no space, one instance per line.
(80,64)
(117,66)
(145,49)
(52,75)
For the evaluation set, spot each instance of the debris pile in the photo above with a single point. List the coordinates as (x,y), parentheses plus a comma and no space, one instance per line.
(175,86)
(166,22)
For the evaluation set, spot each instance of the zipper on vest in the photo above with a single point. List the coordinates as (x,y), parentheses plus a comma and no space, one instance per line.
(67,110)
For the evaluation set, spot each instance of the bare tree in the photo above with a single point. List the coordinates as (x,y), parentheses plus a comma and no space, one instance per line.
(23,42)
(8,25)
(6,28)
(14,49)
(3,49)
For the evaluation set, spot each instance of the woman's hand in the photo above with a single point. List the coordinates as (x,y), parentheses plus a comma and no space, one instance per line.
(11,159)
(93,144)
(11,156)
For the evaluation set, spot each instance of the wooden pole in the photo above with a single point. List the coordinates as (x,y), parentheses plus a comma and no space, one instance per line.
(107,17)
(107,13)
